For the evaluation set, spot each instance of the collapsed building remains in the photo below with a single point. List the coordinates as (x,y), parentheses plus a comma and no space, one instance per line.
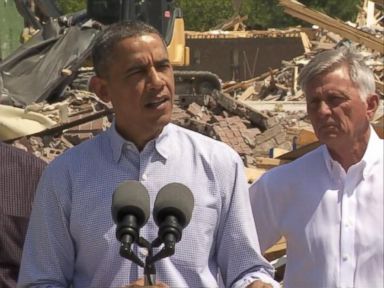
(263,118)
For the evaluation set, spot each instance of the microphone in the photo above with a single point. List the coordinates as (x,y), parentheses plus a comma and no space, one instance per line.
(130,210)
(172,212)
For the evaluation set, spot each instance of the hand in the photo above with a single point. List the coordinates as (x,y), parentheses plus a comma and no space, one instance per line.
(259,284)
(140,284)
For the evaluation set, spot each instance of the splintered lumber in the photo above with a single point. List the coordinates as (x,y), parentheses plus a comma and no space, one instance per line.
(268,163)
(253,173)
(306,137)
(238,108)
(249,82)
(294,154)
(378,125)
(300,11)
(380,2)
(277,250)
(276,152)
(379,85)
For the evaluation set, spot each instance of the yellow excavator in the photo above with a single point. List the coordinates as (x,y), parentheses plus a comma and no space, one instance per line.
(63,44)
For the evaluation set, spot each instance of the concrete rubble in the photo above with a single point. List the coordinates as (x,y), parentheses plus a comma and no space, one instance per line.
(263,118)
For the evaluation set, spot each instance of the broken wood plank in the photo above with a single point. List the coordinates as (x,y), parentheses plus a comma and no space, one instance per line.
(253,173)
(380,2)
(378,125)
(306,137)
(239,108)
(277,250)
(249,82)
(268,163)
(294,154)
(298,10)
(247,93)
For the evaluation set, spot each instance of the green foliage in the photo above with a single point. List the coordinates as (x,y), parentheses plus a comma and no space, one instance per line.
(201,15)
(68,6)
(266,14)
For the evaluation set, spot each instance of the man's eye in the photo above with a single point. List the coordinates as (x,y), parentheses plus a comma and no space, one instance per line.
(135,72)
(335,100)
(313,103)
(162,67)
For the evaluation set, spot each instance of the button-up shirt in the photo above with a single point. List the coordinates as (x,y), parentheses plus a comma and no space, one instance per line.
(71,237)
(332,220)
(19,174)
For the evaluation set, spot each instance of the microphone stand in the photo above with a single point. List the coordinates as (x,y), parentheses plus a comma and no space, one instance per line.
(148,265)
(169,234)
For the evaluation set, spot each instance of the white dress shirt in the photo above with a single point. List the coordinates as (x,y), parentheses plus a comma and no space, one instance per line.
(71,236)
(332,219)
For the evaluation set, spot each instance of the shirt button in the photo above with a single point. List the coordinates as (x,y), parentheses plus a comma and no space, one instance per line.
(143,252)
(144,177)
(345,258)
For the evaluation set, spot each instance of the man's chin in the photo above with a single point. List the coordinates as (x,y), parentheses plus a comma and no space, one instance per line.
(330,139)
(163,120)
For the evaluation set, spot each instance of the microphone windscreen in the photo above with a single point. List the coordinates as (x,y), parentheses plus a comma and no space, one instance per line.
(174,199)
(131,197)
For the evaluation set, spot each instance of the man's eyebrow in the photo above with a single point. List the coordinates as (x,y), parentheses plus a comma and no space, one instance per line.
(162,62)
(134,68)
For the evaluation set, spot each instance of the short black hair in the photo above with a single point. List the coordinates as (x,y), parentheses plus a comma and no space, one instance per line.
(102,51)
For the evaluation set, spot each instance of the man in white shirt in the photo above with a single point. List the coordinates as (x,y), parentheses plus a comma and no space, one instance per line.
(328,204)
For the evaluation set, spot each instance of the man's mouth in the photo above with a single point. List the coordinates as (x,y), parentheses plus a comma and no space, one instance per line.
(329,127)
(155,103)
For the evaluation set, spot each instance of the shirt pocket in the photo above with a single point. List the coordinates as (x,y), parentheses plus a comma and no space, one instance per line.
(195,245)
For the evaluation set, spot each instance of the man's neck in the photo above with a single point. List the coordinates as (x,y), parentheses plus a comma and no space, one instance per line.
(351,153)
(141,138)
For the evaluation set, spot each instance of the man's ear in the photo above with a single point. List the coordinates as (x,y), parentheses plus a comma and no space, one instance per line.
(372,105)
(98,86)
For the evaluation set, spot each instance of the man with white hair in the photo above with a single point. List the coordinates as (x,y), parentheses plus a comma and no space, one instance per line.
(328,204)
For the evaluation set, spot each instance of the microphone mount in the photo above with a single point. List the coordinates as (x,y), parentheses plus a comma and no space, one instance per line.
(168,239)
(172,213)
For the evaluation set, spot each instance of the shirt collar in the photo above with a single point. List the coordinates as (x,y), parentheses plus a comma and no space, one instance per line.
(375,145)
(162,143)
(335,170)
(369,158)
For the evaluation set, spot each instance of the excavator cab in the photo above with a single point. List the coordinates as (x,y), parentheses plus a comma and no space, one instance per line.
(157,13)
(161,14)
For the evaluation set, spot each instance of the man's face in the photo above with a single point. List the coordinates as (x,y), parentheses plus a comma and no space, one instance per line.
(338,115)
(140,85)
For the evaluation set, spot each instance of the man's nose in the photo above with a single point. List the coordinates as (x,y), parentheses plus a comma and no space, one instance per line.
(155,81)
(324,108)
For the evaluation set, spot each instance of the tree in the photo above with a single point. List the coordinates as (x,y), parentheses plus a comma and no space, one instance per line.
(69,6)
(201,15)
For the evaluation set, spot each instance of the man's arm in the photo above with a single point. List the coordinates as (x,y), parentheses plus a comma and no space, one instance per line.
(19,174)
(48,255)
(263,213)
(238,252)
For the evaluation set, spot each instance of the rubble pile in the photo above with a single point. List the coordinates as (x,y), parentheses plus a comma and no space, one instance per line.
(259,118)
(80,116)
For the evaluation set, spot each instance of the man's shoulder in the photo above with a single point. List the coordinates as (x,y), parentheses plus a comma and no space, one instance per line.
(302,164)
(199,139)
(215,151)
(85,150)
(9,153)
